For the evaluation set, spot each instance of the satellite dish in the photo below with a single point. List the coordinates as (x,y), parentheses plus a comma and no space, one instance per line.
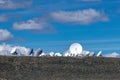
(39,52)
(31,52)
(51,54)
(75,49)
(67,53)
(92,54)
(85,53)
(99,54)
(14,51)
(58,54)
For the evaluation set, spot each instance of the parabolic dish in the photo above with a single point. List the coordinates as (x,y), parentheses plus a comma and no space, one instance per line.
(76,48)
(13,50)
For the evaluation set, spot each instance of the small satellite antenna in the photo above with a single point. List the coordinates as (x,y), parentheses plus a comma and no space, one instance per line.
(14,51)
(66,53)
(92,54)
(87,54)
(58,54)
(39,52)
(99,54)
(31,52)
(51,54)
(75,49)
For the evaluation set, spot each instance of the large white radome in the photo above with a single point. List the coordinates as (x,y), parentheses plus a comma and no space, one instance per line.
(76,48)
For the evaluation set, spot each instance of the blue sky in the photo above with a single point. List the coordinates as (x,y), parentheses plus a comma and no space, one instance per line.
(55,24)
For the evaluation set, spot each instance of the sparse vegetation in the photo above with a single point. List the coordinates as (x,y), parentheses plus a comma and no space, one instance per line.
(59,68)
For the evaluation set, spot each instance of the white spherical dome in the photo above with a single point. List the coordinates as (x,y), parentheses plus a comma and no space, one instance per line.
(75,48)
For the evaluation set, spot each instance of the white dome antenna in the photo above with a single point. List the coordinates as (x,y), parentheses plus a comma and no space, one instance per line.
(75,49)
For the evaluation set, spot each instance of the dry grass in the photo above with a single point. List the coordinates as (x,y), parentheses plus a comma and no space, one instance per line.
(59,68)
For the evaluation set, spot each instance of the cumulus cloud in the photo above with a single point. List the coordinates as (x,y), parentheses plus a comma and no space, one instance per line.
(6,49)
(29,25)
(34,24)
(86,16)
(114,54)
(3,18)
(10,4)
(5,35)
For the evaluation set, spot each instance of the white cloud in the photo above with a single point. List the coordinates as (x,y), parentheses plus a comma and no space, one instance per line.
(3,18)
(114,54)
(9,4)
(35,24)
(5,35)
(29,25)
(7,49)
(86,16)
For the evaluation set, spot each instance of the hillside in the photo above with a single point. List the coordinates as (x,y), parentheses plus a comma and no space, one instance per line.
(59,68)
